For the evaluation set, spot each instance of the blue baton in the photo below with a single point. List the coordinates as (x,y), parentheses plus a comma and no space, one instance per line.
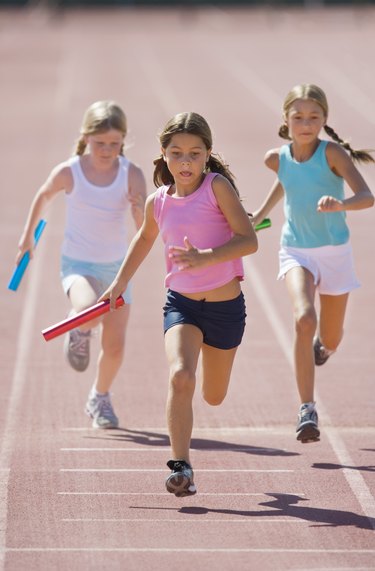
(24,261)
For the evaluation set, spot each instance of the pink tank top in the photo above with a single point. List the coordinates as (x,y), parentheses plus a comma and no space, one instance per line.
(198,217)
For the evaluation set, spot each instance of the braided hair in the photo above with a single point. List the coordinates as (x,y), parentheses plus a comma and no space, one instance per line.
(310,91)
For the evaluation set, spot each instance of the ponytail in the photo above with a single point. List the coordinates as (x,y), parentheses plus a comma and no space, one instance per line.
(80,146)
(361,156)
(284,132)
(216,164)
(162,174)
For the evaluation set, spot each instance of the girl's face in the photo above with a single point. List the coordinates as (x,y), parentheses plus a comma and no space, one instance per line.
(305,120)
(105,147)
(186,157)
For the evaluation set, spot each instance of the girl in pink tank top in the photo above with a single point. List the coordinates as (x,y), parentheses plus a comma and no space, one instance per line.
(206,231)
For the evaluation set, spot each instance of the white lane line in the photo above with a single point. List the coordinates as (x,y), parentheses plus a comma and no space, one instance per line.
(162,470)
(260,89)
(178,550)
(349,91)
(215,494)
(228,429)
(155,73)
(246,519)
(353,477)
(26,335)
(162,431)
(270,309)
(163,449)
(251,81)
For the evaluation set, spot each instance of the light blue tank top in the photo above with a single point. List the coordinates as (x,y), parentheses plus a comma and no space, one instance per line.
(304,184)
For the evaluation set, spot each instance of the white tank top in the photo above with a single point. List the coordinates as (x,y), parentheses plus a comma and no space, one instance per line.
(95,229)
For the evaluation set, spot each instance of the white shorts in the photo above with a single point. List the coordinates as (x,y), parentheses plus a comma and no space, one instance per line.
(331,266)
(102,275)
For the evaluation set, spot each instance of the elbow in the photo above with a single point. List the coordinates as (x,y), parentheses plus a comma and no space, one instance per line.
(368,199)
(252,245)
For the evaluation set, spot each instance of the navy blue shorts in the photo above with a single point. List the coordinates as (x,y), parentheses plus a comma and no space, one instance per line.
(221,322)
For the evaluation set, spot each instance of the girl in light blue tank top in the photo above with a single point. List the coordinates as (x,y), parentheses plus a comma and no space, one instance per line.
(315,254)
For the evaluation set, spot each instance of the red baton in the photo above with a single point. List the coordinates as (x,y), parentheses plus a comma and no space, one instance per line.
(80,318)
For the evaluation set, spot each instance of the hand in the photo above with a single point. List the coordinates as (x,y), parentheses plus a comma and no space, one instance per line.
(25,245)
(255,219)
(330,204)
(188,256)
(112,293)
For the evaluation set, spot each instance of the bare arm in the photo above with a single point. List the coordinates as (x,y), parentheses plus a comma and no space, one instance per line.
(137,194)
(342,165)
(137,252)
(243,242)
(59,180)
(276,193)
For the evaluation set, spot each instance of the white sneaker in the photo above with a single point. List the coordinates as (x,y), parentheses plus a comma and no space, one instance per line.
(101,411)
(307,425)
(77,349)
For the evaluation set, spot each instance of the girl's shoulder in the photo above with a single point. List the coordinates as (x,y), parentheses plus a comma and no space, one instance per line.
(334,150)
(337,157)
(136,175)
(62,172)
(218,180)
(272,159)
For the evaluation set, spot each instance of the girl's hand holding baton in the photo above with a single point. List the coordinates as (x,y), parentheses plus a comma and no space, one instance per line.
(266,223)
(24,261)
(84,316)
(111,299)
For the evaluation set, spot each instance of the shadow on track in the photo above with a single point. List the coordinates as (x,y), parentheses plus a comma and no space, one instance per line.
(146,438)
(327,466)
(286,505)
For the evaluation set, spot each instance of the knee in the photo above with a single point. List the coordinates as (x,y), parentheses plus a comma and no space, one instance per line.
(331,342)
(306,322)
(182,381)
(115,350)
(213,399)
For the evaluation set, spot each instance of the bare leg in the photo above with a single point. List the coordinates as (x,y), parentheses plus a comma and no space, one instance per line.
(182,344)
(216,369)
(301,289)
(82,294)
(112,351)
(331,319)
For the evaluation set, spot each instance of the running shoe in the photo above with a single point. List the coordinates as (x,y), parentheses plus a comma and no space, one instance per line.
(181,481)
(307,425)
(77,349)
(100,409)
(321,354)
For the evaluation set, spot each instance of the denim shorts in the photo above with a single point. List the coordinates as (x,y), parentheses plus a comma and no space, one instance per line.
(102,275)
(222,322)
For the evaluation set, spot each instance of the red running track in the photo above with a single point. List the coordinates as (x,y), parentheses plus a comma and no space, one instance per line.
(74,498)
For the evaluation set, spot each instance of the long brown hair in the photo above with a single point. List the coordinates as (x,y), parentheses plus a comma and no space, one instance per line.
(315,93)
(194,124)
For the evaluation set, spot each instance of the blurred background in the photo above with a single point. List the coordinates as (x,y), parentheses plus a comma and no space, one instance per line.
(171,3)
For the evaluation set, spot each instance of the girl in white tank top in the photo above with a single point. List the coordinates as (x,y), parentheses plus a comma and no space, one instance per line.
(100,184)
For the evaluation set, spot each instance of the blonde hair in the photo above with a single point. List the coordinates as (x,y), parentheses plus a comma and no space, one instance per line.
(315,93)
(100,117)
(194,124)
